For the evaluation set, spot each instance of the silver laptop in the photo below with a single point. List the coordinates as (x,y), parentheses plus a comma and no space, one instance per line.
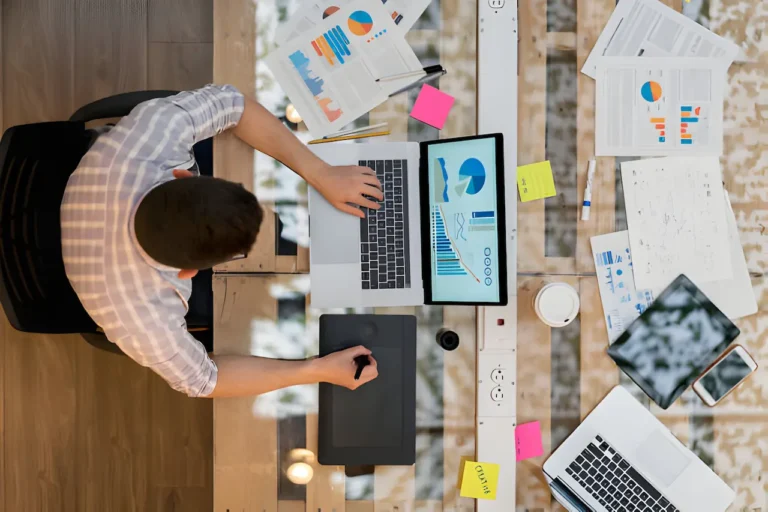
(622,458)
(437,239)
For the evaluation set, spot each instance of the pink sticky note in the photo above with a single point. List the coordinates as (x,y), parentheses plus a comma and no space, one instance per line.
(432,106)
(528,441)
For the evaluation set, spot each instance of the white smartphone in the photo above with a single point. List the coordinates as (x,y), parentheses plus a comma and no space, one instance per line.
(722,377)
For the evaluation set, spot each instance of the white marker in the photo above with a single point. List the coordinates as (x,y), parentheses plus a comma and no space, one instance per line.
(588,192)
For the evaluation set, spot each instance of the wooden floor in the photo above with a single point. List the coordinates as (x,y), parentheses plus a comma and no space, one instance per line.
(81,429)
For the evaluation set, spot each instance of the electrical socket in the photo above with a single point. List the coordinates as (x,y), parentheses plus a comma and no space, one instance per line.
(498,375)
(496,4)
(497,394)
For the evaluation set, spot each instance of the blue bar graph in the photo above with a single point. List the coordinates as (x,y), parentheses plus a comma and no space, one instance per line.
(483,221)
(446,260)
(686,141)
(686,109)
(476,215)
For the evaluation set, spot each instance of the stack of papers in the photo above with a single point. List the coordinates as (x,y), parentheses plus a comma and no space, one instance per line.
(330,58)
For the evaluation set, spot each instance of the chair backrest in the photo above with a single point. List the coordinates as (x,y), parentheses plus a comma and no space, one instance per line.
(36,161)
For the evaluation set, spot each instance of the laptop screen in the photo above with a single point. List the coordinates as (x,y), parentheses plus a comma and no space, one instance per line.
(464,214)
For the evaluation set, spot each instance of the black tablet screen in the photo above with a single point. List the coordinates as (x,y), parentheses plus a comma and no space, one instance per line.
(673,342)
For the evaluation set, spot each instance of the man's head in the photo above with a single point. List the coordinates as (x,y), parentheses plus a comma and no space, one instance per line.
(195,223)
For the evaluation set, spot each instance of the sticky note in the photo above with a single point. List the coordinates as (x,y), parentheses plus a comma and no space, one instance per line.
(432,106)
(479,480)
(464,460)
(535,181)
(528,441)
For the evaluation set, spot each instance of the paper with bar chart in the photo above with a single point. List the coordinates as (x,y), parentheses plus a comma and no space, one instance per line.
(329,72)
(463,227)
(659,107)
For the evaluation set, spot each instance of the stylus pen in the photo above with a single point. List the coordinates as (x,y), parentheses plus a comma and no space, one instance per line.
(423,80)
(356,130)
(425,71)
(585,206)
(350,137)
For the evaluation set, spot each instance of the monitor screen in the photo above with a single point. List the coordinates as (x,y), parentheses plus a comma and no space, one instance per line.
(464,220)
(673,342)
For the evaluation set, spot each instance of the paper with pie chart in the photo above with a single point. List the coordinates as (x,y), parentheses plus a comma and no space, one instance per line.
(659,107)
(311,12)
(329,72)
(464,236)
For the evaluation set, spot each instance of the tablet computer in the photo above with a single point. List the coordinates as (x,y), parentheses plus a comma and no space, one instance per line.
(464,256)
(673,342)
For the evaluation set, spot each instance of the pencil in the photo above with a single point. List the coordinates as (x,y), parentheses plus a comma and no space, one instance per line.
(350,137)
(356,130)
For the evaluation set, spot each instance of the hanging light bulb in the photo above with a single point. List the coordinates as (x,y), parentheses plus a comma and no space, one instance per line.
(291,114)
(300,473)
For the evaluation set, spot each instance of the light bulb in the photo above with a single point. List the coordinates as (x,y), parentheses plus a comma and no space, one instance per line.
(291,114)
(300,473)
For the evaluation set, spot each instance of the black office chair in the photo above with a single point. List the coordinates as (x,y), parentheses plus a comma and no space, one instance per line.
(36,161)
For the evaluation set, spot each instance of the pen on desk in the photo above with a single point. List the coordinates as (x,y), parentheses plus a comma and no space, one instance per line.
(423,80)
(426,71)
(356,130)
(350,137)
(585,206)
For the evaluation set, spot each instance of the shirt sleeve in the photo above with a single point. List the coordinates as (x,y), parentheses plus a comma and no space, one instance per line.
(211,109)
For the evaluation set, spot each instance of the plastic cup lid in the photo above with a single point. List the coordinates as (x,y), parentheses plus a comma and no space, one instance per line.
(558,303)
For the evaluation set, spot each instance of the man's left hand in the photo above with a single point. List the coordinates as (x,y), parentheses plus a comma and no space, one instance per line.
(348,185)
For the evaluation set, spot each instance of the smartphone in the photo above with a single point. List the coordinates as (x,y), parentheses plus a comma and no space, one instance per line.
(722,377)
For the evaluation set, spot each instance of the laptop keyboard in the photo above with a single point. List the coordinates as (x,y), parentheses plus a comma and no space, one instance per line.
(611,480)
(384,232)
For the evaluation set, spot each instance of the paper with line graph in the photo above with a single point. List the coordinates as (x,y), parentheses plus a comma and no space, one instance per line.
(677,220)
(622,302)
(329,72)
(659,107)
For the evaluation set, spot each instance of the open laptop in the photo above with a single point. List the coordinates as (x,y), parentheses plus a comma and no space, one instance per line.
(437,239)
(622,458)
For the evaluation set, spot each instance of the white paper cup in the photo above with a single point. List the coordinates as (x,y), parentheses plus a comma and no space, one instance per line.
(557,304)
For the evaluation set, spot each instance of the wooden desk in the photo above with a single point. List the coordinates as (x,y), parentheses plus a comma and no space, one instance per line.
(562,373)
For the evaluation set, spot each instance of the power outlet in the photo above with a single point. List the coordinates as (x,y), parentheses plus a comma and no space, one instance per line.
(496,4)
(498,376)
(497,394)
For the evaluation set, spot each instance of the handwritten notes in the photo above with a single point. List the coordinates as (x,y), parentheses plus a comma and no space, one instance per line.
(622,302)
(676,218)
(528,441)
(535,181)
(479,479)
(432,106)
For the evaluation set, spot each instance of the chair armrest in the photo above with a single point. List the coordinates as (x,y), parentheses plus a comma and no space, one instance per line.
(118,105)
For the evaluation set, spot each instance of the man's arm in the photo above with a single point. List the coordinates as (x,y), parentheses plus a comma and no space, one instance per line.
(341,186)
(250,375)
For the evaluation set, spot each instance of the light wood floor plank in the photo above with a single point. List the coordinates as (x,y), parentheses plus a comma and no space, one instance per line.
(179,66)
(181,21)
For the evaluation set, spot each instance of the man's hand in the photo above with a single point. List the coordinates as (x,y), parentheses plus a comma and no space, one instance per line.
(343,186)
(339,368)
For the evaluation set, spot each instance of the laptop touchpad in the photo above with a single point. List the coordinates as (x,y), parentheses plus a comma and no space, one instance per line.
(659,456)
(335,235)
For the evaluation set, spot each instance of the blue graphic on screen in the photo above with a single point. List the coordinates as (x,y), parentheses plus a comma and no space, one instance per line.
(464,237)
(301,63)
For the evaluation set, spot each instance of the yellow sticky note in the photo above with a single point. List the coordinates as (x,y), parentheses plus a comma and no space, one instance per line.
(535,181)
(480,480)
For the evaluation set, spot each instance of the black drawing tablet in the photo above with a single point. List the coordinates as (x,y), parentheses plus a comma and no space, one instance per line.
(376,423)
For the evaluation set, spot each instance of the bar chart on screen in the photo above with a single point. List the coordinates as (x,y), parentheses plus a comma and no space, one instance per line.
(448,261)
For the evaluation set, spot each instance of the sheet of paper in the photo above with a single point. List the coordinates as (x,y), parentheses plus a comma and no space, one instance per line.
(735,296)
(676,218)
(480,480)
(648,28)
(535,181)
(432,106)
(528,441)
(329,72)
(658,107)
(622,302)
(311,12)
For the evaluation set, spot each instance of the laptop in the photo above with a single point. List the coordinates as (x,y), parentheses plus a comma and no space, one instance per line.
(622,458)
(437,239)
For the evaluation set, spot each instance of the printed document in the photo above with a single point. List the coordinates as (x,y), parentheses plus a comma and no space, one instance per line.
(658,107)
(329,73)
(648,28)
(677,220)
(312,12)
(622,302)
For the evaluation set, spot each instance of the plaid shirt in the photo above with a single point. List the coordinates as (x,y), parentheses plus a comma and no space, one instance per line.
(139,303)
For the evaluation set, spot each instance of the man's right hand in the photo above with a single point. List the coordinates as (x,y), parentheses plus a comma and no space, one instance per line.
(339,368)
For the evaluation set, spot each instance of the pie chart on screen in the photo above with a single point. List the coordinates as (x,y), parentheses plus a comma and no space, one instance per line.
(360,23)
(473,172)
(330,10)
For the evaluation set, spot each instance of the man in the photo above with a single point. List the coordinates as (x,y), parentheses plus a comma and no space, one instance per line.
(137,225)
